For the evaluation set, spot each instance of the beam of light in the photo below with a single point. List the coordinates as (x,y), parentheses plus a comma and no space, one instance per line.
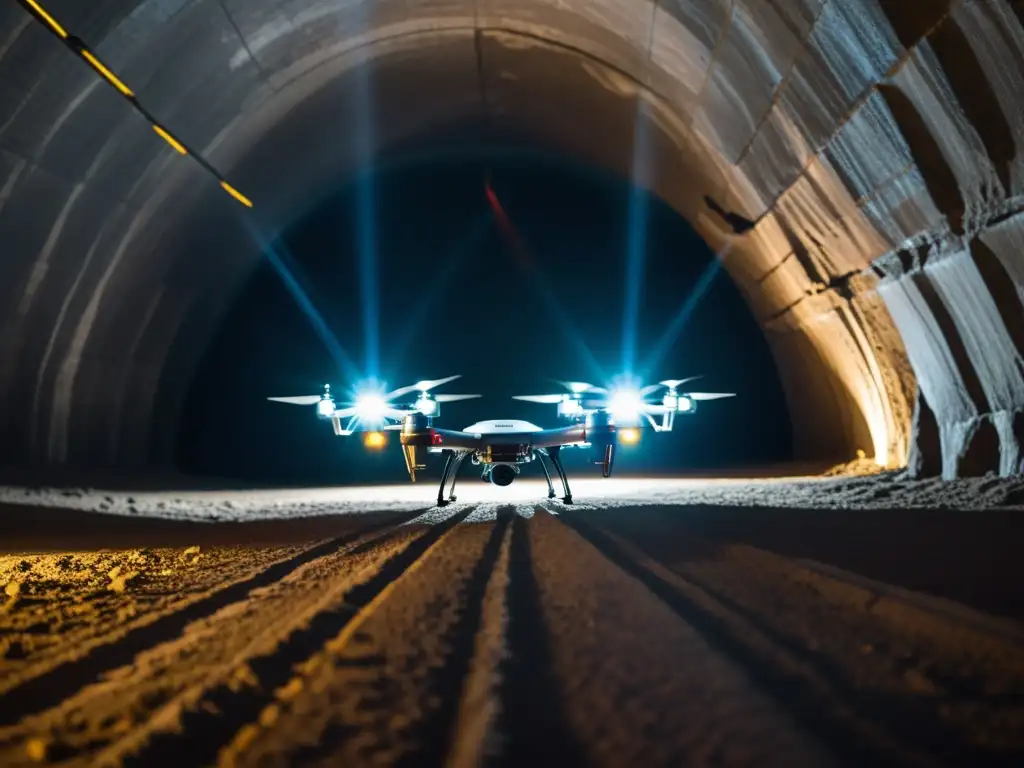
(366,223)
(278,258)
(682,317)
(636,240)
(551,301)
(414,321)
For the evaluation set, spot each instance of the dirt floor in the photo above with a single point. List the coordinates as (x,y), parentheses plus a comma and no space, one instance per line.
(839,621)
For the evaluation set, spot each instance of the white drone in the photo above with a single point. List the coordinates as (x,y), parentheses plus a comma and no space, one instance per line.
(599,418)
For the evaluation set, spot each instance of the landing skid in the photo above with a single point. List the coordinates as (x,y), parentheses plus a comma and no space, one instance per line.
(454,460)
(555,455)
(451,470)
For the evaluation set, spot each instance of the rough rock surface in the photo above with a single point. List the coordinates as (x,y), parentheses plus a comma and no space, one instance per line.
(866,158)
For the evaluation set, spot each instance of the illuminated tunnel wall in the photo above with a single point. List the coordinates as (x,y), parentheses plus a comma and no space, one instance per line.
(876,146)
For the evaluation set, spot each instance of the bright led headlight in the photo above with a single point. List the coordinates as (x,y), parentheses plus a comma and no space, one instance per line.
(370,407)
(626,404)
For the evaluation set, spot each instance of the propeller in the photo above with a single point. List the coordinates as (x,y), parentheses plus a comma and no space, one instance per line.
(304,399)
(374,407)
(709,395)
(540,398)
(453,398)
(673,383)
(297,399)
(579,387)
(420,386)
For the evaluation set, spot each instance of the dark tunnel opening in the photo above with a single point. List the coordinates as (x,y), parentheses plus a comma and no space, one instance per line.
(454,296)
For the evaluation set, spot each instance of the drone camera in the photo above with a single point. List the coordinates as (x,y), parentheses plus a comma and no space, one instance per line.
(502,474)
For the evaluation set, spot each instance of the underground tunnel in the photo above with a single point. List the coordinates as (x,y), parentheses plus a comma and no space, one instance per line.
(855,166)
(208,203)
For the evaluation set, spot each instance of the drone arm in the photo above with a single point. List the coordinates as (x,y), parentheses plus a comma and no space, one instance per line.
(338,430)
(448,439)
(554,438)
(667,421)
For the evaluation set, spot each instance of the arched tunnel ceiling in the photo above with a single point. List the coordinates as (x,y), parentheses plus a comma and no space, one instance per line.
(875,145)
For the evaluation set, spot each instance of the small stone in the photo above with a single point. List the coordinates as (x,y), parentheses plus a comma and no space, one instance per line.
(121,583)
(36,749)
(12,589)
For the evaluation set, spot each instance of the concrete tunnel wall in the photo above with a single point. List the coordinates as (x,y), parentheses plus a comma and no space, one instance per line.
(877,144)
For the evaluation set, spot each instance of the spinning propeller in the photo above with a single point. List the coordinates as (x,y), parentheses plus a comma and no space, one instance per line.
(623,402)
(372,408)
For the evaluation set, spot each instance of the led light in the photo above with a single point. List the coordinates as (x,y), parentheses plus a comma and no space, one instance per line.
(626,404)
(371,407)
(629,436)
(685,404)
(427,406)
(325,407)
(375,440)
(236,194)
(50,21)
(178,146)
(101,68)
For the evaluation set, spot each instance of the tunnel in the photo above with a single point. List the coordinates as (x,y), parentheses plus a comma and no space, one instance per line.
(856,165)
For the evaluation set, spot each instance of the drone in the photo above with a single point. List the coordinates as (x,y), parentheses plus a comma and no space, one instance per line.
(598,418)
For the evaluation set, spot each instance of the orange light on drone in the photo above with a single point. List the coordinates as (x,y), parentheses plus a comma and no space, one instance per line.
(375,440)
(629,436)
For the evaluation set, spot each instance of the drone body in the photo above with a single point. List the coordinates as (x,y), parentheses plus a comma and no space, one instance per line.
(597,418)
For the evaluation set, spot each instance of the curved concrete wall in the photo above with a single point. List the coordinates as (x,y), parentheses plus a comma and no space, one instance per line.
(875,145)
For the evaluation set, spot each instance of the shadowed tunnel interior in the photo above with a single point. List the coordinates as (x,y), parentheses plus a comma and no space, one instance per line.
(857,166)
(456,295)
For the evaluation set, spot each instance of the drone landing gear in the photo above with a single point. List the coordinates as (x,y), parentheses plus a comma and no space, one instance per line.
(556,459)
(547,475)
(451,470)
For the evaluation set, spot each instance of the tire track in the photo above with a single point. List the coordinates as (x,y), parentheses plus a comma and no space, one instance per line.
(641,685)
(224,709)
(51,687)
(111,718)
(389,687)
(474,737)
(537,732)
(862,730)
(936,675)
